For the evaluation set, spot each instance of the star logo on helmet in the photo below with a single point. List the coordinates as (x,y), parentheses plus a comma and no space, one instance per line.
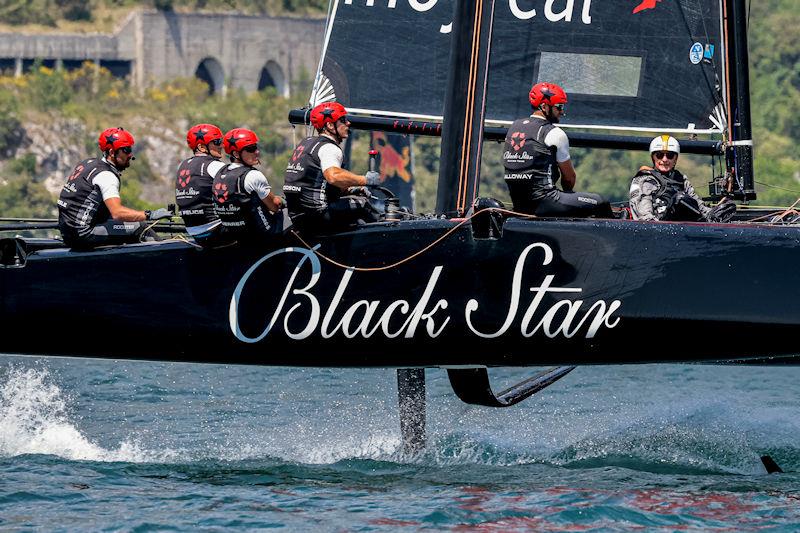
(231,140)
(110,139)
(200,135)
(547,93)
(327,113)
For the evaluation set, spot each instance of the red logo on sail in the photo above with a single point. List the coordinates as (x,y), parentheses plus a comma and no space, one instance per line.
(646,4)
(392,162)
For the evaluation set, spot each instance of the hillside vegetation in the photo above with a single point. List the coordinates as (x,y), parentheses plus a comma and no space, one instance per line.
(104,15)
(49,120)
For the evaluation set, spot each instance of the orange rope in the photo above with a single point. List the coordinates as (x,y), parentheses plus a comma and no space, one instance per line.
(415,254)
(462,222)
(466,143)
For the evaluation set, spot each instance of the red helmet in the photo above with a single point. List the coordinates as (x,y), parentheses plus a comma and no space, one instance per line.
(238,138)
(202,134)
(547,93)
(327,112)
(114,139)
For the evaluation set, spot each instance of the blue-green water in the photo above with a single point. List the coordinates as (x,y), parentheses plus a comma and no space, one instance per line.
(105,445)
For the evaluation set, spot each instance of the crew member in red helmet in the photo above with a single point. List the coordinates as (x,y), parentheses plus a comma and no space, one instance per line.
(317,187)
(193,182)
(90,212)
(243,198)
(536,155)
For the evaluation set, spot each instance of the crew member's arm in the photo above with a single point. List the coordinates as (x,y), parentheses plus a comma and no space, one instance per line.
(568,175)
(642,194)
(109,188)
(274,203)
(122,213)
(343,179)
(255,181)
(687,186)
(556,137)
(330,161)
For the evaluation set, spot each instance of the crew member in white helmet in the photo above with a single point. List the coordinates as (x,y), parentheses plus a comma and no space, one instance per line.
(661,192)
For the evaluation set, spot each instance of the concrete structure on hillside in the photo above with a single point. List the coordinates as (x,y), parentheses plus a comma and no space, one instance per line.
(224,50)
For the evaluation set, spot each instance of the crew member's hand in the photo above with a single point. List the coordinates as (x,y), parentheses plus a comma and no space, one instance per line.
(158,214)
(373,178)
(280,202)
(722,212)
(360,191)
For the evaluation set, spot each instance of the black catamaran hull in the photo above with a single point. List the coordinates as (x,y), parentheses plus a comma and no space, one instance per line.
(545,292)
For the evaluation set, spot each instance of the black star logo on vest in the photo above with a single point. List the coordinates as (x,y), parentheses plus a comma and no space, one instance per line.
(200,135)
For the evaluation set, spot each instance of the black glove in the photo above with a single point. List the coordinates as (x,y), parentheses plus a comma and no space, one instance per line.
(722,212)
(360,191)
(158,214)
(373,178)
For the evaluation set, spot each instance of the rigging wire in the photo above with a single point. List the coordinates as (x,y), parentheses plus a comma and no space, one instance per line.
(749,5)
(777,187)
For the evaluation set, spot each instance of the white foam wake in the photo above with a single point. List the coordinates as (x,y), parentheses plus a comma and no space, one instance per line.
(34,419)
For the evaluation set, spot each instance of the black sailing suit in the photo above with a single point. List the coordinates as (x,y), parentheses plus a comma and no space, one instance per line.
(314,204)
(83,218)
(193,195)
(657,196)
(243,215)
(531,171)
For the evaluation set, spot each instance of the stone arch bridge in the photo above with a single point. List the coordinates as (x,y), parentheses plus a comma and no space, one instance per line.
(224,50)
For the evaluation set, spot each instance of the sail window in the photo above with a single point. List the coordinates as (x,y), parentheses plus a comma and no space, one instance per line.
(592,74)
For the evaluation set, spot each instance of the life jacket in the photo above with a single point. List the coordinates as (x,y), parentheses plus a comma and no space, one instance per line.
(193,191)
(80,205)
(670,189)
(305,186)
(529,163)
(241,213)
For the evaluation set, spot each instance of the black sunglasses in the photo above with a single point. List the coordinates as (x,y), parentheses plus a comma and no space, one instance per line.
(217,142)
(251,148)
(669,155)
(126,149)
(560,107)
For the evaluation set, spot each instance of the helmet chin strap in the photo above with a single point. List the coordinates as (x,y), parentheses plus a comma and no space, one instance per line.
(547,114)
(339,138)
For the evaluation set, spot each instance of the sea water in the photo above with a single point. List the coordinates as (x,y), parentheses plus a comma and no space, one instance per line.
(90,445)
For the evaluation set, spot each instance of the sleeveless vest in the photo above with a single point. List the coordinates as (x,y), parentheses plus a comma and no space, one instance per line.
(193,191)
(80,205)
(240,212)
(528,161)
(305,187)
(669,187)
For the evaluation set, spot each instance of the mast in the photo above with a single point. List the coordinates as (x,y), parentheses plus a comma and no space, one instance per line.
(739,156)
(465,106)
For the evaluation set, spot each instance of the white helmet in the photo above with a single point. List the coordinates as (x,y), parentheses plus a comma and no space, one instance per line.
(665,143)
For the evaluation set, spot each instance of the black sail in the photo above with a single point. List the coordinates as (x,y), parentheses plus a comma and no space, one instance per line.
(633,64)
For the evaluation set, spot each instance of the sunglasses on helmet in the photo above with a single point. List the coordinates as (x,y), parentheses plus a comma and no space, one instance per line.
(668,155)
